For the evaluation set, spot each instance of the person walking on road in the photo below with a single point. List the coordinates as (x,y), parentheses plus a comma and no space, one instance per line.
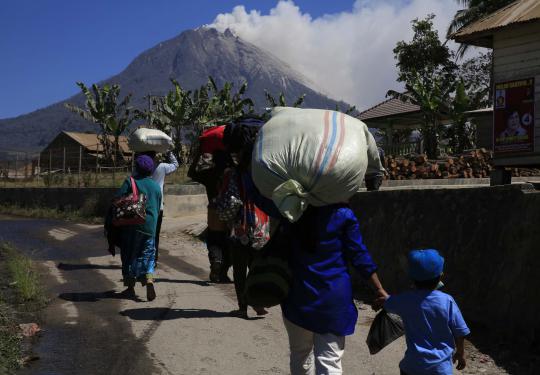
(138,241)
(434,327)
(251,228)
(163,169)
(207,168)
(319,310)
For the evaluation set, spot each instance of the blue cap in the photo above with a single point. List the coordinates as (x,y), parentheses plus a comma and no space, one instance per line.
(425,264)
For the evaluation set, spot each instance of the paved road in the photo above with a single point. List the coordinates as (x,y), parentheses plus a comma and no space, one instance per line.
(186,330)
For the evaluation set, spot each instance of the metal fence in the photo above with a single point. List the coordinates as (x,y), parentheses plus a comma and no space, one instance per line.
(65,166)
(70,167)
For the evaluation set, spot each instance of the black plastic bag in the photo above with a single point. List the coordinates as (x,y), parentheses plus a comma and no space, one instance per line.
(385,329)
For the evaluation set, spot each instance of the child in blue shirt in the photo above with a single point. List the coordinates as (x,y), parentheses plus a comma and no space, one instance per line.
(434,326)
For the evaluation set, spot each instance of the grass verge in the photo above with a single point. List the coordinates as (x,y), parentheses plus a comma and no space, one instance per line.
(21,297)
(50,213)
(10,341)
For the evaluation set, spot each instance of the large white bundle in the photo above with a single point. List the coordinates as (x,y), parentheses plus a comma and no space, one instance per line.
(144,139)
(312,156)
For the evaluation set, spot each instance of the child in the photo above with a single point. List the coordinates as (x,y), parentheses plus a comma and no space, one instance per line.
(434,326)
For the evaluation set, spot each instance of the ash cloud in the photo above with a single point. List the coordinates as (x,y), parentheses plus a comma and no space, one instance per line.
(347,55)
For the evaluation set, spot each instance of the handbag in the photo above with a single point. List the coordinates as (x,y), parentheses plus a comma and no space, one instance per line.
(228,203)
(269,279)
(129,209)
(254,229)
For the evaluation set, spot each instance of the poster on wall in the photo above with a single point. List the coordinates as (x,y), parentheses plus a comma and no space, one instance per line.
(513,118)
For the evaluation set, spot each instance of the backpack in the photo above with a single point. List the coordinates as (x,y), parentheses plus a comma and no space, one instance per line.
(204,163)
(269,279)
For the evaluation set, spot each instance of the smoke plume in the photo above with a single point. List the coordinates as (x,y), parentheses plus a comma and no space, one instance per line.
(347,55)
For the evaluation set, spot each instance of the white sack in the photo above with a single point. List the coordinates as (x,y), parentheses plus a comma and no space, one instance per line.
(144,139)
(312,156)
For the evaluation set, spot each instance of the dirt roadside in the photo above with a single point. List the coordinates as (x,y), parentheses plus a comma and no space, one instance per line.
(186,330)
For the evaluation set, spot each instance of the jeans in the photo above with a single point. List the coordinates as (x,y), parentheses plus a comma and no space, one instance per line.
(314,353)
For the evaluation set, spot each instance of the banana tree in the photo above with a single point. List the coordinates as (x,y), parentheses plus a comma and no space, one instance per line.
(153,115)
(174,115)
(226,106)
(432,97)
(349,111)
(281,101)
(462,133)
(113,117)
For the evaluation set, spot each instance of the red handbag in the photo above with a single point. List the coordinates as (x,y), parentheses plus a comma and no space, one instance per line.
(129,209)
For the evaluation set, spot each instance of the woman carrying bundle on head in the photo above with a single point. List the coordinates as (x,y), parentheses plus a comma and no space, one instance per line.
(137,241)
(319,310)
(308,161)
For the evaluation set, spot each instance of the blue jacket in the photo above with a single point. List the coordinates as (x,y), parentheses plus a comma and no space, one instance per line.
(321,298)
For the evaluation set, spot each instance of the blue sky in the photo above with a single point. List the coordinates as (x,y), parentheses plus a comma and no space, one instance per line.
(47,45)
(344,48)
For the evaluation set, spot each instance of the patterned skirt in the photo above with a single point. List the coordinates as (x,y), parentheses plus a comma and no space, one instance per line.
(138,255)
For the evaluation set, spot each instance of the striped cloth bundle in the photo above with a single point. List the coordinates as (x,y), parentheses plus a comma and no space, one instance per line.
(312,156)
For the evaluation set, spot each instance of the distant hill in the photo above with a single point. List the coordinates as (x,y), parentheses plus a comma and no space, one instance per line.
(190,58)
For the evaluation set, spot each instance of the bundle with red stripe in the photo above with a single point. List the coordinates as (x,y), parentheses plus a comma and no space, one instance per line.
(312,156)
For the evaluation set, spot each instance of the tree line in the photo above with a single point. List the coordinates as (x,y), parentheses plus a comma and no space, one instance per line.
(181,113)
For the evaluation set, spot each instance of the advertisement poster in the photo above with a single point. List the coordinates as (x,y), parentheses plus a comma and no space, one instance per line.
(513,127)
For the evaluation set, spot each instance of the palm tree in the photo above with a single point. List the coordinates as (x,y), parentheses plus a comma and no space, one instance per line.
(474,11)
(103,109)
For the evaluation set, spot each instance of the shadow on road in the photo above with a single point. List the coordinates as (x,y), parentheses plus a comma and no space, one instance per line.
(164,313)
(93,296)
(195,282)
(75,267)
(515,359)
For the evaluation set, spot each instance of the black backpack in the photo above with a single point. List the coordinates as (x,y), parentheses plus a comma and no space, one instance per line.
(269,278)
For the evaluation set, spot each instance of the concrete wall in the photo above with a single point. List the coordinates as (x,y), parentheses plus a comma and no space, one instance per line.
(94,201)
(185,205)
(180,200)
(488,236)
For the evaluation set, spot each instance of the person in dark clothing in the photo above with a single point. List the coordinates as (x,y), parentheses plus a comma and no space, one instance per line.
(207,169)
(253,221)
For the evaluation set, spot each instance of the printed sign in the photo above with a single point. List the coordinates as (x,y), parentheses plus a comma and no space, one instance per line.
(513,118)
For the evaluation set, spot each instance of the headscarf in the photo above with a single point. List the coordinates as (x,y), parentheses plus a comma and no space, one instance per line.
(144,165)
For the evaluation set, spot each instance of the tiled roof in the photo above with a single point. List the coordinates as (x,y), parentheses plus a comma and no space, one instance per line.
(388,108)
(517,12)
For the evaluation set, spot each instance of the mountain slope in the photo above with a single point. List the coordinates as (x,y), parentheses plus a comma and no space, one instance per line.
(189,58)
